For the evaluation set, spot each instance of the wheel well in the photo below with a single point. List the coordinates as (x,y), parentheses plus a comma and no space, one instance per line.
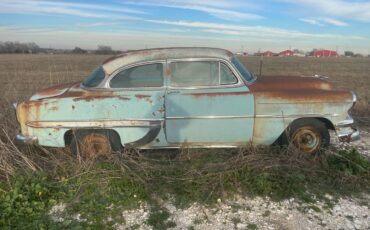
(326,121)
(68,136)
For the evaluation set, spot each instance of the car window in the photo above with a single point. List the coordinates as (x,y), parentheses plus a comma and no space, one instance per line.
(197,73)
(201,73)
(226,75)
(150,75)
(95,78)
(242,70)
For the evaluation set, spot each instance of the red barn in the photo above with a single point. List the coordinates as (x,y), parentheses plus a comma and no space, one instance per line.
(265,54)
(325,53)
(286,53)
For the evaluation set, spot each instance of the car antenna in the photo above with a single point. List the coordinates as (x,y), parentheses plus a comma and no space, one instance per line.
(261,64)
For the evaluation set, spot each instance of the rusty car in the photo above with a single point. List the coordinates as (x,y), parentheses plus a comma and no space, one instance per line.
(194,97)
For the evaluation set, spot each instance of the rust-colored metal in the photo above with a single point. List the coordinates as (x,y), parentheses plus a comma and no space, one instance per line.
(273,83)
(306,139)
(297,89)
(94,145)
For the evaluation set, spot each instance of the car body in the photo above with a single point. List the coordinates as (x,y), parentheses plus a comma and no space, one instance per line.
(174,97)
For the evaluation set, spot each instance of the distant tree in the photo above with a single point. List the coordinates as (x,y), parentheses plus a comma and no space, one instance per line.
(104,50)
(358,55)
(18,47)
(348,53)
(78,50)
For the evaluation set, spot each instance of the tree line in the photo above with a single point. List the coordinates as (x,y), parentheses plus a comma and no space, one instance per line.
(32,48)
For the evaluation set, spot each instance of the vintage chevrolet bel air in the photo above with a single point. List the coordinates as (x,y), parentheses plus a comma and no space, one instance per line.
(194,97)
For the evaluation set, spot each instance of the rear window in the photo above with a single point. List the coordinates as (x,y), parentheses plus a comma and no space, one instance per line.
(95,78)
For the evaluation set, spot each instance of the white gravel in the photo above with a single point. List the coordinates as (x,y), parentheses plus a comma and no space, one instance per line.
(261,213)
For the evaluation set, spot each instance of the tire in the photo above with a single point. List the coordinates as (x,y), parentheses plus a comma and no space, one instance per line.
(309,136)
(95,143)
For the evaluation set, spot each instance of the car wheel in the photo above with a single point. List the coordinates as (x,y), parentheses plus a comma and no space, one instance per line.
(92,144)
(308,136)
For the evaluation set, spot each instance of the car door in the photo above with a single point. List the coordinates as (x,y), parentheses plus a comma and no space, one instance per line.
(207,104)
(138,105)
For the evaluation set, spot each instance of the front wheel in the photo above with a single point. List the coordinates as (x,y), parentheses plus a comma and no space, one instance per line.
(307,135)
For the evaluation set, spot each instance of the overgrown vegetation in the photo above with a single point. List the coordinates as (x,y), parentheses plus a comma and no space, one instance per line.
(94,193)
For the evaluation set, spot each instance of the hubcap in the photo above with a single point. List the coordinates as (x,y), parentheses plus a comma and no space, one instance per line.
(306,139)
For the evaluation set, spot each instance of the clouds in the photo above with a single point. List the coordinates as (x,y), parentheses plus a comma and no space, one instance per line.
(319,21)
(68,8)
(190,21)
(255,31)
(354,9)
(217,8)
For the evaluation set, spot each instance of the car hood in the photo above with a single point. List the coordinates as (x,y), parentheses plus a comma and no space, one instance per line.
(277,83)
(290,89)
(54,91)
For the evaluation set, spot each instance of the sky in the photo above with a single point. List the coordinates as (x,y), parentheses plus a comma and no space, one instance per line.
(237,25)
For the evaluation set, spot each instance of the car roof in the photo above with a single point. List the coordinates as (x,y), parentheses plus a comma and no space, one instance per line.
(135,56)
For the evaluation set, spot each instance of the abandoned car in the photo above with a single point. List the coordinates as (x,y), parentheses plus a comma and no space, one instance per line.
(193,97)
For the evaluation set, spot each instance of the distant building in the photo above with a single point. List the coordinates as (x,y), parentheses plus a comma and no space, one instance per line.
(324,53)
(265,54)
(286,53)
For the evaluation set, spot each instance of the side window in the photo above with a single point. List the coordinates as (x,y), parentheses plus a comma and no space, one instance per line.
(226,76)
(197,73)
(150,75)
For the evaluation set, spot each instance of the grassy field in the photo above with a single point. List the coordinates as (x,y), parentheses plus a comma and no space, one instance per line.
(22,75)
(35,179)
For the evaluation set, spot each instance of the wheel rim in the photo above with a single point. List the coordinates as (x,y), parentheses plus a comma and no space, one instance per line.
(94,145)
(307,139)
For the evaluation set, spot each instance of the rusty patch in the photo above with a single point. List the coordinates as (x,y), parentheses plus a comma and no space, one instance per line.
(142,96)
(196,95)
(55,89)
(161,110)
(54,108)
(99,97)
(272,83)
(309,95)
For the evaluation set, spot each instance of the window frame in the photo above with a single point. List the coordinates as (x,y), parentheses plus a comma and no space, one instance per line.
(236,74)
(124,68)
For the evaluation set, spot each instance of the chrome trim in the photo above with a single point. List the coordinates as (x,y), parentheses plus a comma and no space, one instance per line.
(106,81)
(211,117)
(348,121)
(26,139)
(354,97)
(240,83)
(297,115)
(96,124)
(252,116)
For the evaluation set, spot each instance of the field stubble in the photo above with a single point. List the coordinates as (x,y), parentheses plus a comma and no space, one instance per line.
(34,179)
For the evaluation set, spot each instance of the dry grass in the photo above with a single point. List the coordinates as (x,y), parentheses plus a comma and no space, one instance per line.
(22,75)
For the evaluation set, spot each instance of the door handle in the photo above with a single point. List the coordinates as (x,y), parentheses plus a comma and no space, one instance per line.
(173,92)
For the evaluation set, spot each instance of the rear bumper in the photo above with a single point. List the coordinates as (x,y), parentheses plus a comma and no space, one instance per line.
(26,139)
(346,132)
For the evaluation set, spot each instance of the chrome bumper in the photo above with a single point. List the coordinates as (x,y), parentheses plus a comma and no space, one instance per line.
(346,132)
(26,139)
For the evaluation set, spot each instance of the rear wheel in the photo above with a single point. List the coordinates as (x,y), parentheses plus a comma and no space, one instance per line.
(308,136)
(92,144)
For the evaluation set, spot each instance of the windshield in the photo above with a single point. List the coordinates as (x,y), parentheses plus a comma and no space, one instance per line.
(95,78)
(242,70)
